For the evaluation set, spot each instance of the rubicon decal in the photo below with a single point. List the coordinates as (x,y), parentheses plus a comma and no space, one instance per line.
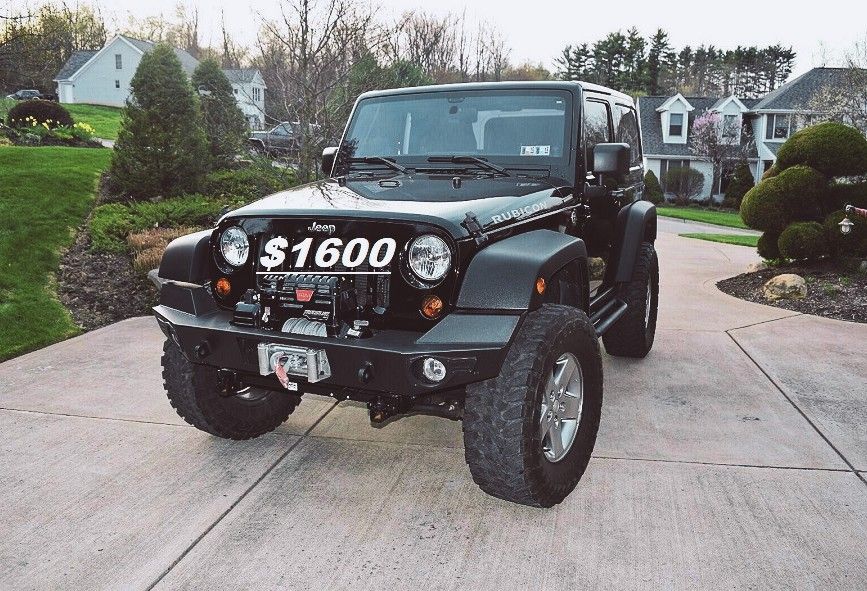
(518,212)
(329,253)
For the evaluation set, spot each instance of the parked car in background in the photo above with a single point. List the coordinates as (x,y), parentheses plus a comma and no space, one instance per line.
(24,95)
(281,140)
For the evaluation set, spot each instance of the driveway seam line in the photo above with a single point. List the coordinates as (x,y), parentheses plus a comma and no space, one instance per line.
(722,464)
(235,503)
(810,422)
(74,416)
(794,315)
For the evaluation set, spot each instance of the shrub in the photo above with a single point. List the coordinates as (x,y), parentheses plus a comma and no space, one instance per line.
(113,222)
(842,194)
(803,241)
(790,196)
(684,183)
(742,181)
(243,185)
(223,121)
(161,148)
(652,188)
(771,172)
(767,246)
(37,112)
(831,148)
(853,244)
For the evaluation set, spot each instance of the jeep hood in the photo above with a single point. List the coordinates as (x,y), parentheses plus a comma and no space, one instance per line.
(496,202)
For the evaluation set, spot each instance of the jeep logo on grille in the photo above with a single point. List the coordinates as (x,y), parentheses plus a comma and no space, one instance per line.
(322,228)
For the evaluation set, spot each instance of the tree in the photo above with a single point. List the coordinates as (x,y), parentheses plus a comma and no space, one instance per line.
(657,58)
(652,188)
(721,145)
(224,124)
(685,183)
(161,148)
(741,181)
(846,99)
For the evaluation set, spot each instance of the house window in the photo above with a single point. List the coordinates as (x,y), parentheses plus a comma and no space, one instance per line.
(730,126)
(675,124)
(665,166)
(235,90)
(778,127)
(257,94)
(118,61)
(117,83)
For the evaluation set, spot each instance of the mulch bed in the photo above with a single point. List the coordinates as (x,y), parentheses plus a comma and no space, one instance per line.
(830,293)
(102,288)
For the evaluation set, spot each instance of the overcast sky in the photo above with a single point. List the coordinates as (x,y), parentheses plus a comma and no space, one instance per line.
(538,30)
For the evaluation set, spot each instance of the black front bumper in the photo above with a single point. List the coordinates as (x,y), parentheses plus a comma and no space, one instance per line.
(472,347)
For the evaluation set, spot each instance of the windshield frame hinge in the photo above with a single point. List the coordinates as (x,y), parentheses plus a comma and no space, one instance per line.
(471,223)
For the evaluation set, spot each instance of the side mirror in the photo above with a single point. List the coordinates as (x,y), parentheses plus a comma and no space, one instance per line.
(328,156)
(611,159)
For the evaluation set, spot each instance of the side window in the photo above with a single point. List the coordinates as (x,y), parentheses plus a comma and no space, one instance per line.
(596,127)
(626,131)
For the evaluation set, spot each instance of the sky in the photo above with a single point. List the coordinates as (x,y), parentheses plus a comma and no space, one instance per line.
(538,31)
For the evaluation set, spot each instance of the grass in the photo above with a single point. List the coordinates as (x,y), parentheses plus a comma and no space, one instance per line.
(45,193)
(104,120)
(706,216)
(738,239)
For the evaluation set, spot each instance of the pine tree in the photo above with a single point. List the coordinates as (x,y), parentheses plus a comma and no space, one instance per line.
(656,57)
(161,148)
(223,121)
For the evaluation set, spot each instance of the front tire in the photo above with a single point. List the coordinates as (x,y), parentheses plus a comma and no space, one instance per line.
(633,334)
(529,432)
(192,392)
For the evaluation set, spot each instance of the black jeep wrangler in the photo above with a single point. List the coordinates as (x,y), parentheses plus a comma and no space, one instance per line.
(470,245)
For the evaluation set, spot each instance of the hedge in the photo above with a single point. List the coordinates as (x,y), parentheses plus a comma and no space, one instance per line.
(831,148)
(803,241)
(767,246)
(790,196)
(54,114)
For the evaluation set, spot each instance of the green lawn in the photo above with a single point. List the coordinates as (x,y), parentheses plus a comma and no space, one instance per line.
(45,193)
(105,120)
(707,216)
(737,239)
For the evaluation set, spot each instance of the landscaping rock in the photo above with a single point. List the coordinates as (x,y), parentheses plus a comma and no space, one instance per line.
(787,286)
(755,267)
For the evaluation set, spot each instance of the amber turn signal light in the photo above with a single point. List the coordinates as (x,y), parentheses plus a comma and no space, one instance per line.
(431,306)
(222,287)
(540,285)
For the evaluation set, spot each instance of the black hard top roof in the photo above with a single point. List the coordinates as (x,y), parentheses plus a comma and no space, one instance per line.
(541,85)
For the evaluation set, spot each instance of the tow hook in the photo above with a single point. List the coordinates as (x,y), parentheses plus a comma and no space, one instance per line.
(380,410)
(228,383)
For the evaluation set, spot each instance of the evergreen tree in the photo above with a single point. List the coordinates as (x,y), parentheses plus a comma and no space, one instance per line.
(656,62)
(223,121)
(741,181)
(161,148)
(652,188)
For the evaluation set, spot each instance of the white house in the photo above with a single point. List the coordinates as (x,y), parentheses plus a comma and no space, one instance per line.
(666,123)
(103,77)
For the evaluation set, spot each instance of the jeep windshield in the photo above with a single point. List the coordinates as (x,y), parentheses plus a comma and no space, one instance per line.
(512,128)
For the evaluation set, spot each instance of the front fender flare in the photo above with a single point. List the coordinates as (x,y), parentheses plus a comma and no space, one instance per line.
(187,259)
(503,275)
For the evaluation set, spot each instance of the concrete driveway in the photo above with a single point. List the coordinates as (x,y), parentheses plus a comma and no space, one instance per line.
(732,457)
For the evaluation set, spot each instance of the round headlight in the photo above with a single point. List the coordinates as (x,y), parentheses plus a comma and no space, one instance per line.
(234,246)
(429,257)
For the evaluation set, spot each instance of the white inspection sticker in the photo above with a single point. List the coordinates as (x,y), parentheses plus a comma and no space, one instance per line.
(535,150)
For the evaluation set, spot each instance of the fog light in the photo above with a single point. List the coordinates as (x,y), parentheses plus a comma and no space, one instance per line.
(431,306)
(223,287)
(433,369)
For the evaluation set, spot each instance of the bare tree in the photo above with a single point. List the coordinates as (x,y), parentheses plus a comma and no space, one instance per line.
(846,99)
(306,55)
(720,142)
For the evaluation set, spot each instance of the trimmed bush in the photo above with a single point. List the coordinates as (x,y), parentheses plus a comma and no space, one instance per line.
(767,246)
(831,148)
(790,196)
(113,222)
(771,172)
(161,149)
(803,241)
(37,112)
(652,188)
(243,185)
(853,244)
(742,181)
(843,194)
(684,183)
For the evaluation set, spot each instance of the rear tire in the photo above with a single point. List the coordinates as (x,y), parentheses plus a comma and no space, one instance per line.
(510,451)
(192,392)
(633,334)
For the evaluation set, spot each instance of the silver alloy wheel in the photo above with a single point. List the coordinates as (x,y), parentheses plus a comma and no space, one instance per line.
(562,403)
(647,306)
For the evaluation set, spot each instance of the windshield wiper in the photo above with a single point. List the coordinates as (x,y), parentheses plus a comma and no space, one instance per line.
(380,160)
(480,162)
